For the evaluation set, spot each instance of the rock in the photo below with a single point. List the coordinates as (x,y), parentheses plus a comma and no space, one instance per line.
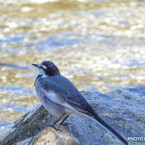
(123,109)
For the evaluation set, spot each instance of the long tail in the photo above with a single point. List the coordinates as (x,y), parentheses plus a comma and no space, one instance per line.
(109,127)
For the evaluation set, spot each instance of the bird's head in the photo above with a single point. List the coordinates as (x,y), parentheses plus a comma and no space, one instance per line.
(47,68)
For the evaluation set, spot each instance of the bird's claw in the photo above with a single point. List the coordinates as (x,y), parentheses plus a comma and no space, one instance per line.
(57,129)
(64,124)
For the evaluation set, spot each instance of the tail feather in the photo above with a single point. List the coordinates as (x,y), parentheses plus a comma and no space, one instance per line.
(109,127)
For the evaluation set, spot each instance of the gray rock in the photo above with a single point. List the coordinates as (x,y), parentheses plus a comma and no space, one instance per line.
(123,109)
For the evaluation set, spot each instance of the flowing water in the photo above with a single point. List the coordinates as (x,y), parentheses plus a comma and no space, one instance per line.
(98,45)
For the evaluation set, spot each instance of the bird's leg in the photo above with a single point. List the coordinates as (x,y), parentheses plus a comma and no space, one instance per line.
(64,120)
(53,125)
(57,120)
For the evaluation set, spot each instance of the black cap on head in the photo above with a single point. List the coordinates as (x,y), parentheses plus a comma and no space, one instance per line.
(49,68)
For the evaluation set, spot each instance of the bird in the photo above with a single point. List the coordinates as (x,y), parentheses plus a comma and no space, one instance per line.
(61,98)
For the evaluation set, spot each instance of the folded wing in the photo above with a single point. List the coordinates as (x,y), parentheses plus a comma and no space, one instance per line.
(69,98)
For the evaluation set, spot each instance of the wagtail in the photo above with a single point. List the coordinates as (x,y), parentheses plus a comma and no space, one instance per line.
(61,98)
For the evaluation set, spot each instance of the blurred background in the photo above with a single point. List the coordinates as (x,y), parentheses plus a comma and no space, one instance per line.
(97,44)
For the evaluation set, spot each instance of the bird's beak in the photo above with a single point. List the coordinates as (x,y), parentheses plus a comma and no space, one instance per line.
(36,65)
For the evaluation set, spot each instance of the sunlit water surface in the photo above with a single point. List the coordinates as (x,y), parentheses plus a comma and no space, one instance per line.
(98,45)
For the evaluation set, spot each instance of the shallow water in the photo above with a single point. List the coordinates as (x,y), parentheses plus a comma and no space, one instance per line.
(98,45)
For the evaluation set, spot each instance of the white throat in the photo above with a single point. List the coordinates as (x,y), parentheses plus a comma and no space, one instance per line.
(41,72)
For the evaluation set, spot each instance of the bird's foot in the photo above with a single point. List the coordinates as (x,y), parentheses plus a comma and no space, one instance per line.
(65,124)
(57,129)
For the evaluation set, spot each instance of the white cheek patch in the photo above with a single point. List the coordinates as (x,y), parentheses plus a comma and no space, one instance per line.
(44,66)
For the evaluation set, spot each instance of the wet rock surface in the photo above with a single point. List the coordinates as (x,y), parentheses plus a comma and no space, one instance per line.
(123,109)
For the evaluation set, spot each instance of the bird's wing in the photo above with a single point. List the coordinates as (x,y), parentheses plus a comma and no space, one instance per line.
(66,95)
(80,104)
